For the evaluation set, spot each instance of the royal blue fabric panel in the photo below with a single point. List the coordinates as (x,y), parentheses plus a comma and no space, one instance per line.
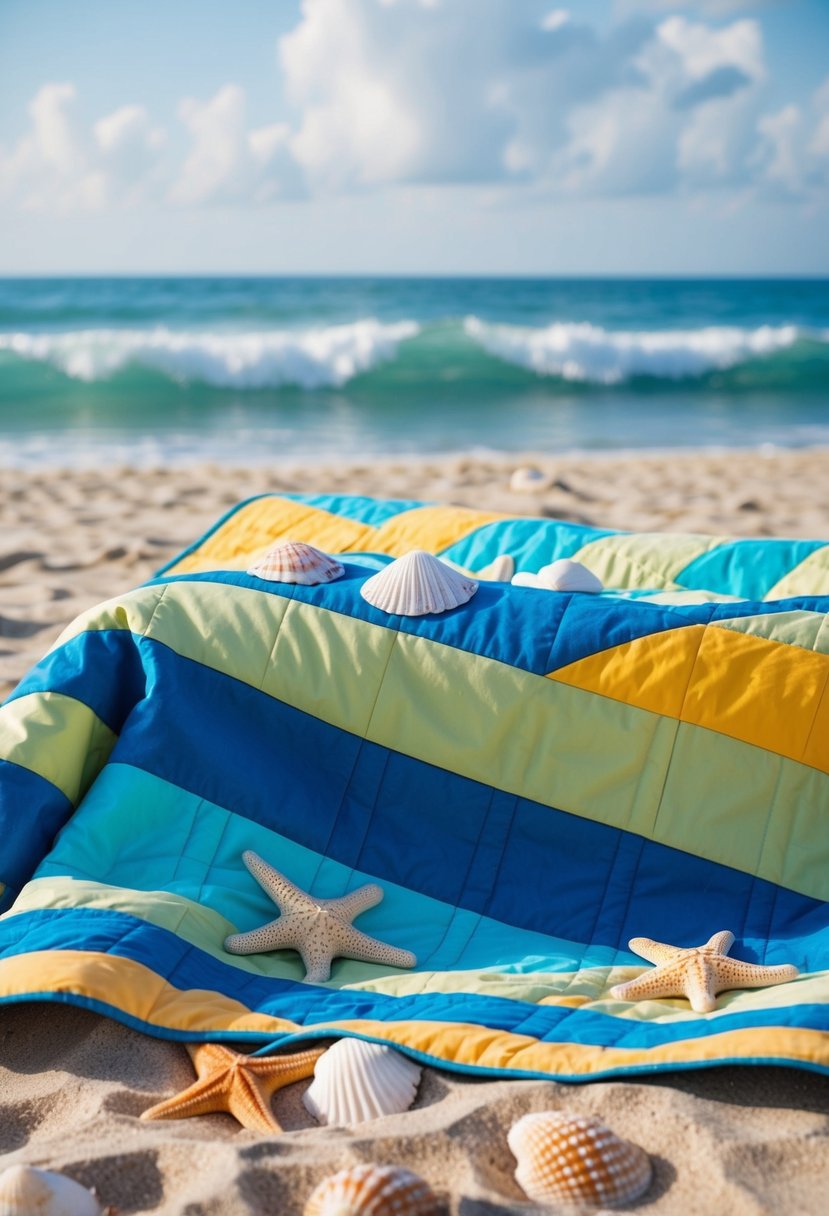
(101,668)
(746,567)
(344,797)
(23,845)
(128,937)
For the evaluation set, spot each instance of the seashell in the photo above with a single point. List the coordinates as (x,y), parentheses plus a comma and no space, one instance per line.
(577,1158)
(355,1081)
(416,584)
(292,561)
(563,575)
(372,1190)
(529,480)
(27,1191)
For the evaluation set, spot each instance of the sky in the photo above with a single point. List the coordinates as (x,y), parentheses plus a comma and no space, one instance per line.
(637,137)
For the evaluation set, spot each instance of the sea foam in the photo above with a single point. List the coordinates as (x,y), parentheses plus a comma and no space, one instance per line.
(583,352)
(310,358)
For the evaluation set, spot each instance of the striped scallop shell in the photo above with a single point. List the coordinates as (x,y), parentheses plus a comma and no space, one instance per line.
(416,584)
(576,1158)
(292,561)
(27,1191)
(355,1081)
(372,1190)
(563,575)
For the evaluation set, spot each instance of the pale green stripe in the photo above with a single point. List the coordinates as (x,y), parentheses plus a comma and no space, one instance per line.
(799,628)
(644,559)
(132,611)
(511,729)
(809,577)
(57,737)
(590,983)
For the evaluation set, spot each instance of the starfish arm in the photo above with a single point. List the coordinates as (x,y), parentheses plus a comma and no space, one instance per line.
(250,1105)
(357,945)
(640,989)
(720,942)
(700,985)
(277,935)
(732,973)
(203,1097)
(275,1072)
(654,952)
(280,889)
(349,906)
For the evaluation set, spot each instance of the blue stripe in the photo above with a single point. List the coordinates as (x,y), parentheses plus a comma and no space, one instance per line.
(533,543)
(746,567)
(186,967)
(381,812)
(32,811)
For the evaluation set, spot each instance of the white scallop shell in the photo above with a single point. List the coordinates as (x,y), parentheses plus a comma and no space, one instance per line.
(27,1191)
(416,584)
(356,1081)
(563,575)
(529,480)
(372,1190)
(500,570)
(292,561)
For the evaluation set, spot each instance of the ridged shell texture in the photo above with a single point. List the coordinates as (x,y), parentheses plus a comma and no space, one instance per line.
(292,561)
(356,1081)
(576,1158)
(416,584)
(372,1190)
(27,1191)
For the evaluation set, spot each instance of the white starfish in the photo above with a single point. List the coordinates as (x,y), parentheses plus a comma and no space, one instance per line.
(320,929)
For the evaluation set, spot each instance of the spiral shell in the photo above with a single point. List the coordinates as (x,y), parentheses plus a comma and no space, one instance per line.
(372,1190)
(292,561)
(416,584)
(355,1081)
(27,1191)
(577,1158)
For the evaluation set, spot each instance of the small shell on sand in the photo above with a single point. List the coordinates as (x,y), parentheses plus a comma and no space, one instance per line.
(292,561)
(577,1159)
(416,584)
(372,1190)
(355,1081)
(27,1191)
(528,479)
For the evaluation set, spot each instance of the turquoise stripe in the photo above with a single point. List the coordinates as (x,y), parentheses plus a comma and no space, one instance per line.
(746,568)
(372,511)
(532,542)
(205,866)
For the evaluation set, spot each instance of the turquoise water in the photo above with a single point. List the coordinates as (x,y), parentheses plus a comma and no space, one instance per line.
(245,369)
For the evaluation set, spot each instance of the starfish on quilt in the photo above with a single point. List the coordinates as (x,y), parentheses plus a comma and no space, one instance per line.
(698,972)
(320,929)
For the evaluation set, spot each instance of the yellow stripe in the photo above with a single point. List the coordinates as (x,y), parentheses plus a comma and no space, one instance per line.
(762,692)
(57,737)
(139,993)
(431,528)
(259,524)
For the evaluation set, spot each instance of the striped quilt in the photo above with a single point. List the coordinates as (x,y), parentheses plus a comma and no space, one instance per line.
(533,778)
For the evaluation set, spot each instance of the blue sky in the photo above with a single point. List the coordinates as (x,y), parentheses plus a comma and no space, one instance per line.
(414,136)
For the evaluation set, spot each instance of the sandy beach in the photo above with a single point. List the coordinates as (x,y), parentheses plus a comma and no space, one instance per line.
(72,1084)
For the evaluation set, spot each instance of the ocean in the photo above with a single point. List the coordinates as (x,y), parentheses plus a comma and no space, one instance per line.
(241,370)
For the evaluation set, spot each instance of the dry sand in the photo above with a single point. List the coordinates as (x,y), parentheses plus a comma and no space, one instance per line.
(72,1084)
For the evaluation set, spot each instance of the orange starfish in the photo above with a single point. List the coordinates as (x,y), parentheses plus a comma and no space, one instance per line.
(239,1084)
(698,972)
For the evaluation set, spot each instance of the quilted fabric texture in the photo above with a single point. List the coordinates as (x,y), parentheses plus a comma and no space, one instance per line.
(533,778)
